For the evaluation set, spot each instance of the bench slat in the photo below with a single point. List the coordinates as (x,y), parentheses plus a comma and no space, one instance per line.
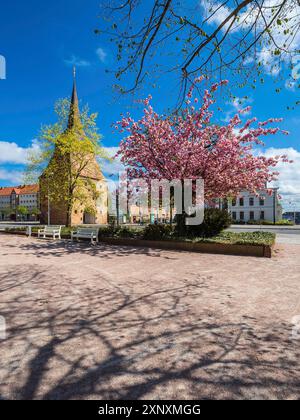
(86,233)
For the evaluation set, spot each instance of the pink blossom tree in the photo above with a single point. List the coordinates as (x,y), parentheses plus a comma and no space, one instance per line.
(190,145)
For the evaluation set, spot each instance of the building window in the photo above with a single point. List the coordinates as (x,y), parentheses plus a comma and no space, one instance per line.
(234,215)
(251,201)
(242,216)
(241,202)
(262,215)
(251,215)
(261,201)
(233,202)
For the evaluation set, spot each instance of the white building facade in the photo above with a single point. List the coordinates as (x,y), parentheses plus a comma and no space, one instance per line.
(248,207)
(14,198)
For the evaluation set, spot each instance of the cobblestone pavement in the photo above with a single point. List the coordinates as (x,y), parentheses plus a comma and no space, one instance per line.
(123,323)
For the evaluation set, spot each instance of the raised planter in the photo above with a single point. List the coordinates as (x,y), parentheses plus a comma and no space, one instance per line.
(263,251)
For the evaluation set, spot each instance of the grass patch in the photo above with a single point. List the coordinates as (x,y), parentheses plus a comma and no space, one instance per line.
(241,238)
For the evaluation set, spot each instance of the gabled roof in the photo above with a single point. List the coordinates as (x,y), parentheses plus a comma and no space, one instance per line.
(6,191)
(20,190)
(29,189)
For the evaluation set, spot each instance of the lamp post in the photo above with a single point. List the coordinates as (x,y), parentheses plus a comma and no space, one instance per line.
(49,201)
(117,198)
(49,209)
(274,204)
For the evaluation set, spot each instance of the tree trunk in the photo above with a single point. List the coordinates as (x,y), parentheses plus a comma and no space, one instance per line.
(181,227)
(171,206)
(69,215)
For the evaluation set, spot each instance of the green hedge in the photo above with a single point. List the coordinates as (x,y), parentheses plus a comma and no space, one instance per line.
(264,223)
(158,232)
(118,232)
(215,221)
(167,233)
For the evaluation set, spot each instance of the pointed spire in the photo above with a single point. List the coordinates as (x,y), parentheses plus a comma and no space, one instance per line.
(74,115)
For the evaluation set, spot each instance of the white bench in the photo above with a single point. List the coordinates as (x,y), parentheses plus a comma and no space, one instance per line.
(86,233)
(50,231)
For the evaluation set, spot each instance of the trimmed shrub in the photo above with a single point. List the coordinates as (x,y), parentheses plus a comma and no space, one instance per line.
(107,232)
(270,223)
(125,232)
(285,223)
(215,221)
(252,222)
(117,232)
(158,232)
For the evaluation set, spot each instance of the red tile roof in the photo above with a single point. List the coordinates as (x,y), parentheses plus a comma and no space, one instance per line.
(21,189)
(29,189)
(6,191)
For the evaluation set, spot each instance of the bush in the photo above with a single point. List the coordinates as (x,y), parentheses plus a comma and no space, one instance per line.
(117,232)
(158,232)
(270,223)
(285,223)
(215,221)
(107,232)
(125,232)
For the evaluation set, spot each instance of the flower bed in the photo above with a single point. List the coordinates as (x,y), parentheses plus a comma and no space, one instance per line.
(257,244)
(202,247)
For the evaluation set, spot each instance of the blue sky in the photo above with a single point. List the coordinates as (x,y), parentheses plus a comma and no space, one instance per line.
(42,40)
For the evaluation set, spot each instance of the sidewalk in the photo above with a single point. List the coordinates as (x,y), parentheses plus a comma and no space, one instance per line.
(126,323)
(266,227)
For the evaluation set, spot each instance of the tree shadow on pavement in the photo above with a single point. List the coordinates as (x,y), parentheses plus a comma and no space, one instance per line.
(62,248)
(71,340)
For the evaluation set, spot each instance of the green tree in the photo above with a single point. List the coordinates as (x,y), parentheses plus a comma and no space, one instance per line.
(7,212)
(22,211)
(67,152)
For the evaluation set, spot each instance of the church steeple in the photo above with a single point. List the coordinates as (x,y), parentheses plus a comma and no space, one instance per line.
(74,115)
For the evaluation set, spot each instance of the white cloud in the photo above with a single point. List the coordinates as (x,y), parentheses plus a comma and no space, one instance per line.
(101,54)
(235,106)
(248,60)
(76,61)
(217,12)
(14,154)
(289,179)
(291,85)
(11,176)
(113,167)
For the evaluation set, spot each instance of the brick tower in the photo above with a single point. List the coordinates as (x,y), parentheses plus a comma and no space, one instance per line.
(54,211)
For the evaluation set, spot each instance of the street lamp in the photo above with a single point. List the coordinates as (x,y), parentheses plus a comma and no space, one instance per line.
(274,204)
(117,198)
(49,204)
(49,209)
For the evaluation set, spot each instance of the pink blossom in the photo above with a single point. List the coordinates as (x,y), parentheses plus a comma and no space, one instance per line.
(189,145)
